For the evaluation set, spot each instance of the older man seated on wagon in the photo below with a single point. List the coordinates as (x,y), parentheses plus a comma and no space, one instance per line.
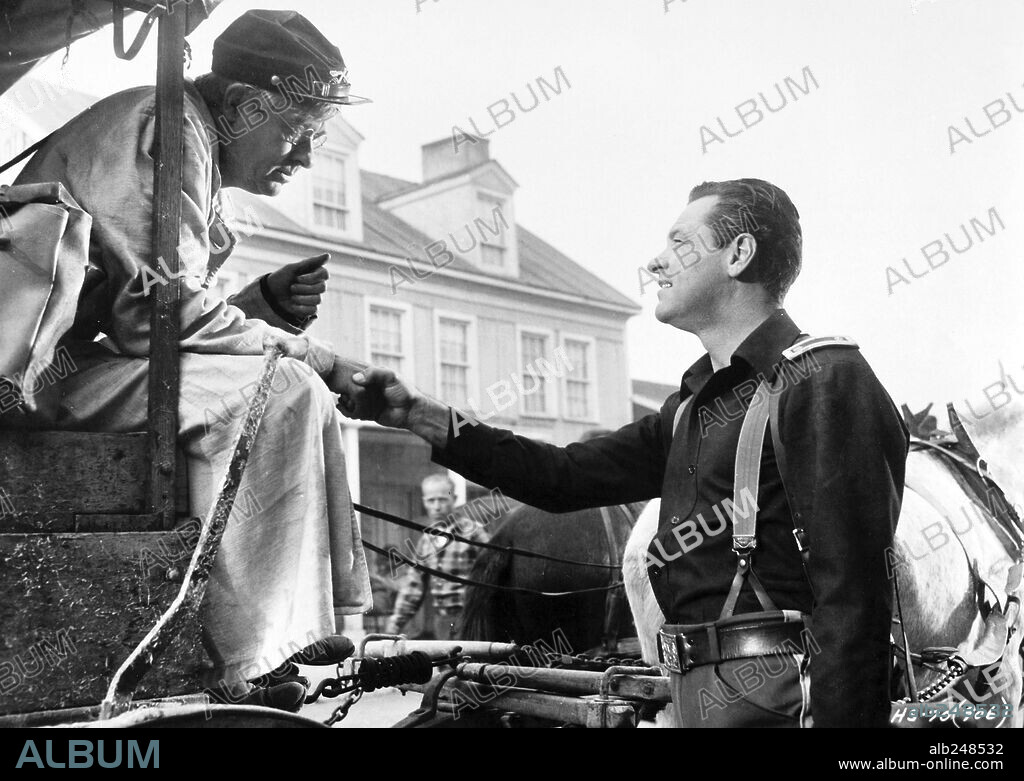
(282,572)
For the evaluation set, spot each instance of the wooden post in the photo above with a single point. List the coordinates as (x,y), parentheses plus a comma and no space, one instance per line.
(164,318)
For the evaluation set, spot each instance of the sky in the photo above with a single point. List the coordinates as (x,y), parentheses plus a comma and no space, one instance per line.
(605,167)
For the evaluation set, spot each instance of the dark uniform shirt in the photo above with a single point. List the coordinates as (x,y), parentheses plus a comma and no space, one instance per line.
(846,448)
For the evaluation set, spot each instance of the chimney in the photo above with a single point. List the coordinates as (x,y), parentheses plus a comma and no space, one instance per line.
(440,158)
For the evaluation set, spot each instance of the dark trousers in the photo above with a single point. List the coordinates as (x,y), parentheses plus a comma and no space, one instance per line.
(762,691)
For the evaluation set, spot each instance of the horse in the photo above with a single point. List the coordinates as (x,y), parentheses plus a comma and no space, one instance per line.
(957,569)
(590,621)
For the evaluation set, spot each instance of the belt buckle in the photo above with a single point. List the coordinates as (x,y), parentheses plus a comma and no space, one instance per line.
(675,652)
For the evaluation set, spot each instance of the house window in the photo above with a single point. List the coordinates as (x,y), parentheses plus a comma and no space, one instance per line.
(492,225)
(534,347)
(330,208)
(453,351)
(388,346)
(579,380)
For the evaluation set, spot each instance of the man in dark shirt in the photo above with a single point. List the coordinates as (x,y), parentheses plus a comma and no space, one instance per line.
(731,257)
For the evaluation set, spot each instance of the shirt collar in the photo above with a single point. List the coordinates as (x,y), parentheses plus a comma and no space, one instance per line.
(761,350)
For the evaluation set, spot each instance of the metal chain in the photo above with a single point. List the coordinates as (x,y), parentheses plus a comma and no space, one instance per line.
(333,687)
(345,684)
(342,710)
(958,669)
(582,661)
(552,659)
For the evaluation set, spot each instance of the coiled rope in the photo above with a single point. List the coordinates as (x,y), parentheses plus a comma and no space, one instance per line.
(380,673)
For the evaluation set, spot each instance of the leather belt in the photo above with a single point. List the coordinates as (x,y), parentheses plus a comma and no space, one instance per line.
(681,647)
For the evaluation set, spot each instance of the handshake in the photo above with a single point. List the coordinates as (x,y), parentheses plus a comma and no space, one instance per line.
(378,394)
(370,392)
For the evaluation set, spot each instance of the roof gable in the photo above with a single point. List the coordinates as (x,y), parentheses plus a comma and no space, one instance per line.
(540,264)
(490,173)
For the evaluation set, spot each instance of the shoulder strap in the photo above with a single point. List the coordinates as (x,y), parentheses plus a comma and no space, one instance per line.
(806,344)
(761,415)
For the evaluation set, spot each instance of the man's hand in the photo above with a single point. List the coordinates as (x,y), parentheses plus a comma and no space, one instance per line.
(297,288)
(392,403)
(354,401)
(393,399)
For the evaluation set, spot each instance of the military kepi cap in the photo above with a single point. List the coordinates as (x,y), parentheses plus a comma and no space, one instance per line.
(283,50)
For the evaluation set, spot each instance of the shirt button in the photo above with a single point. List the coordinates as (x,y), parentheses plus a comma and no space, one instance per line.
(675,519)
(692,469)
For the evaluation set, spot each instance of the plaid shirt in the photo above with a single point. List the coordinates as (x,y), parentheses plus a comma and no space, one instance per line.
(444,555)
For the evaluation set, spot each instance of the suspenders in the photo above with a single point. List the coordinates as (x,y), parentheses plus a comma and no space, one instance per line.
(745,485)
(761,415)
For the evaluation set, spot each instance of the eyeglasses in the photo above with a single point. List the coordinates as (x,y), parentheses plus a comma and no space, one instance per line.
(295,136)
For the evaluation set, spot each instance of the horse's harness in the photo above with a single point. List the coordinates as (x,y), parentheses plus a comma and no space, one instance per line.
(980,659)
(615,567)
(615,603)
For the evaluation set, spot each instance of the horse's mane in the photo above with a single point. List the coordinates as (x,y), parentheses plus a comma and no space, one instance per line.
(998,434)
